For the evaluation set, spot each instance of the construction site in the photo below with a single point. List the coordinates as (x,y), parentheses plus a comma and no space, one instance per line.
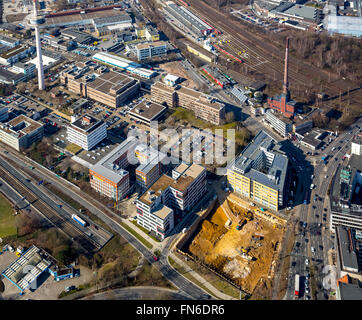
(239,241)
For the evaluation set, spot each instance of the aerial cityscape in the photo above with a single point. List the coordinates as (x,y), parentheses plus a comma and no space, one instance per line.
(181,150)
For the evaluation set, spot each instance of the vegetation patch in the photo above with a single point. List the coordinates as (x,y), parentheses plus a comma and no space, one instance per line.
(7,219)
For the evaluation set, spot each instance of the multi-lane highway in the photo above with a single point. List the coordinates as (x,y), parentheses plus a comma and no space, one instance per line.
(313,241)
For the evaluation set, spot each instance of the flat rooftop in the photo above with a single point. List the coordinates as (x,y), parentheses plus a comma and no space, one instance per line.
(79,17)
(349,291)
(35,260)
(181,183)
(147,110)
(151,44)
(12,52)
(110,81)
(247,162)
(108,168)
(86,123)
(162,211)
(20,126)
(346,249)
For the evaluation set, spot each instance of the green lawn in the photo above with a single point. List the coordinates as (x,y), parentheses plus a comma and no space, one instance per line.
(7,220)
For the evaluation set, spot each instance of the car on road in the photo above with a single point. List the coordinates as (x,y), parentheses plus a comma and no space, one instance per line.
(306,261)
(306,240)
(294,264)
(307,298)
(321,247)
(325,209)
(307,276)
(324,219)
(307,290)
(313,249)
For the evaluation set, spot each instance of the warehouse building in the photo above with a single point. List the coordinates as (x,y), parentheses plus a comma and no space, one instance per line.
(147,111)
(81,17)
(20,132)
(182,191)
(149,50)
(200,52)
(260,171)
(86,132)
(204,106)
(25,270)
(188,19)
(125,64)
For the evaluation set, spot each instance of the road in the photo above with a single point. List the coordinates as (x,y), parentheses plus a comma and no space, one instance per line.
(162,265)
(317,233)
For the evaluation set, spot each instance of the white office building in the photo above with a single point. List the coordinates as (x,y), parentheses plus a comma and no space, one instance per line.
(150,50)
(87,132)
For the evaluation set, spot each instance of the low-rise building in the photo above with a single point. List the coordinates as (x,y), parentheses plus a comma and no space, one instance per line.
(4,113)
(356,145)
(28,69)
(179,192)
(20,132)
(149,50)
(311,139)
(147,111)
(87,131)
(151,34)
(9,42)
(15,54)
(279,123)
(200,52)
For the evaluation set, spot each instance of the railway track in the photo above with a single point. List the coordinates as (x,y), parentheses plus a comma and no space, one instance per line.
(299,72)
(52,215)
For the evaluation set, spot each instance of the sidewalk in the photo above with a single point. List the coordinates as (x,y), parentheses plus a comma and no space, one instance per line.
(218,293)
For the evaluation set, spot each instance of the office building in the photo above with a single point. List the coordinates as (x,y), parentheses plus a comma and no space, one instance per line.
(86,132)
(147,111)
(180,192)
(204,106)
(9,42)
(346,196)
(109,176)
(281,125)
(259,172)
(106,87)
(15,54)
(20,132)
(28,69)
(356,145)
(149,50)
(151,34)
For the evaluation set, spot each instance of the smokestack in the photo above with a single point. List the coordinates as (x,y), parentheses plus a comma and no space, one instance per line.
(285,84)
(34,22)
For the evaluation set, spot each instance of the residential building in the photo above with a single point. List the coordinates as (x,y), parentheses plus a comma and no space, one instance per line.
(260,172)
(180,192)
(204,106)
(20,132)
(149,50)
(147,111)
(87,131)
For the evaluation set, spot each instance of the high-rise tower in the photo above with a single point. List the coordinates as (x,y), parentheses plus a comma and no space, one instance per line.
(285,83)
(35,21)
